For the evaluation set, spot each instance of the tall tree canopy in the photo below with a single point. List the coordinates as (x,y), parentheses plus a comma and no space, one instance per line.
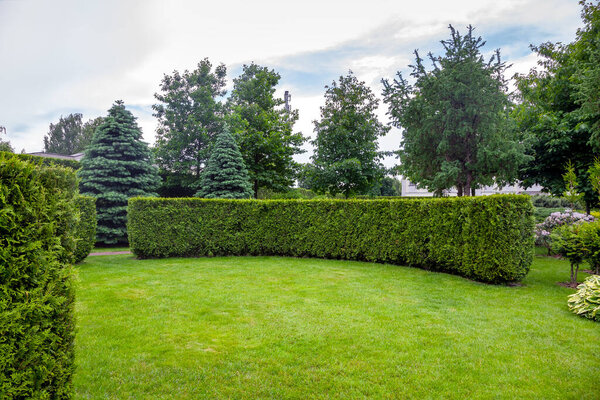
(70,134)
(347,158)
(117,165)
(559,110)
(264,129)
(189,116)
(225,175)
(456,130)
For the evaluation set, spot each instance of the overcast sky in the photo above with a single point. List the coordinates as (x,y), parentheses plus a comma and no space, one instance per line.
(61,57)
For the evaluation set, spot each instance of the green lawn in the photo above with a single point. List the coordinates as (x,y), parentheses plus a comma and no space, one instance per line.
(272,327)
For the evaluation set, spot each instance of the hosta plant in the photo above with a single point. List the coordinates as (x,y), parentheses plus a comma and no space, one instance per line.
(586,301)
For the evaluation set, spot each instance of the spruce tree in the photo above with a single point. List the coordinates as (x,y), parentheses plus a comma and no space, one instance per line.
(225,175)
(117,165)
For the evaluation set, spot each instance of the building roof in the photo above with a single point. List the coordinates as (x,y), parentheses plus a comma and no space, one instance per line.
(76,156)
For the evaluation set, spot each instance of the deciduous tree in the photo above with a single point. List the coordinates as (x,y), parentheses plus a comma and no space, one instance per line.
(190,116)
(264,129)
(5,145)
(558,111)
(70,134)
(347,159)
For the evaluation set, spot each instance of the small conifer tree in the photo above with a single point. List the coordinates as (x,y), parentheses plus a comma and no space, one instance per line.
(117,165)
(225,175)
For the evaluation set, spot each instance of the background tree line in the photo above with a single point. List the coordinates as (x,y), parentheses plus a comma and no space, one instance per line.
(461,127)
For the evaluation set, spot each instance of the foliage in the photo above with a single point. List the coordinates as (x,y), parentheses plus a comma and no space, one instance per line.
(594,176)
(571,193)
(70,134)
(85,231)
(543,231)
(388,187)
(5,145)
(486,238)
(225,175)
(554,114)
(264,130)
(46,161)
(541,213)
(566,242)
(456,130)
(590,237)
(294,193)
(346,157)
(189,119)
(117,165)
(586,301)
(546,201)
(36,292)
(175,184)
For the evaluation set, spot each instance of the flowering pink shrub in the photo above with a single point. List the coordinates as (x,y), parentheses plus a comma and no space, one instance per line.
(554,220)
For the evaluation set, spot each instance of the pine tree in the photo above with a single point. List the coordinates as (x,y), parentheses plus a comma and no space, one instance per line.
(225,175)
(117,165)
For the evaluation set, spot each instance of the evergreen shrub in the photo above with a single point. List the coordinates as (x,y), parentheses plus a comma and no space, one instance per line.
(85,231)
(489,239)
(47,161)
(37,220)
(117,165)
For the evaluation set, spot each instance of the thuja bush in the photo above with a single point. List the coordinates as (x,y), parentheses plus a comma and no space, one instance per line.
(489,239)
(37,219)
(47,161)
(85,231)
(567,242)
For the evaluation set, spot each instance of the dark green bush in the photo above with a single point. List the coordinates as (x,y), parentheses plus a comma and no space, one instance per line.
(85,231)
(47,161)
(485,238)
(37,219)
(547,201)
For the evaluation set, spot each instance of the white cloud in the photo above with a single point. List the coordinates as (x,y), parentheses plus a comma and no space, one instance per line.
(73,56)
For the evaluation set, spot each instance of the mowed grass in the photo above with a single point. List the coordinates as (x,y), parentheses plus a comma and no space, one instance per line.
(279,328)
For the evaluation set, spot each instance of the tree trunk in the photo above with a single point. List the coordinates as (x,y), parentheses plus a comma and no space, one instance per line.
(472,191)
(256,188)
(459,190)
(468,183)
(572,272)
(587,207)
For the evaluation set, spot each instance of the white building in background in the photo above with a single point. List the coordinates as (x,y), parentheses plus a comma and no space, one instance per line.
(409,189)
(75,157)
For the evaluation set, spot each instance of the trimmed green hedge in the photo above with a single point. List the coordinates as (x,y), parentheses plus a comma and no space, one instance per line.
(489,239)
(85,231)
(47,161)
(37,219)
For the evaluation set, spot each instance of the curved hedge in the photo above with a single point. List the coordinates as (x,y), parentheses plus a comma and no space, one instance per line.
(85,232)
(37,219)
(489,239)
